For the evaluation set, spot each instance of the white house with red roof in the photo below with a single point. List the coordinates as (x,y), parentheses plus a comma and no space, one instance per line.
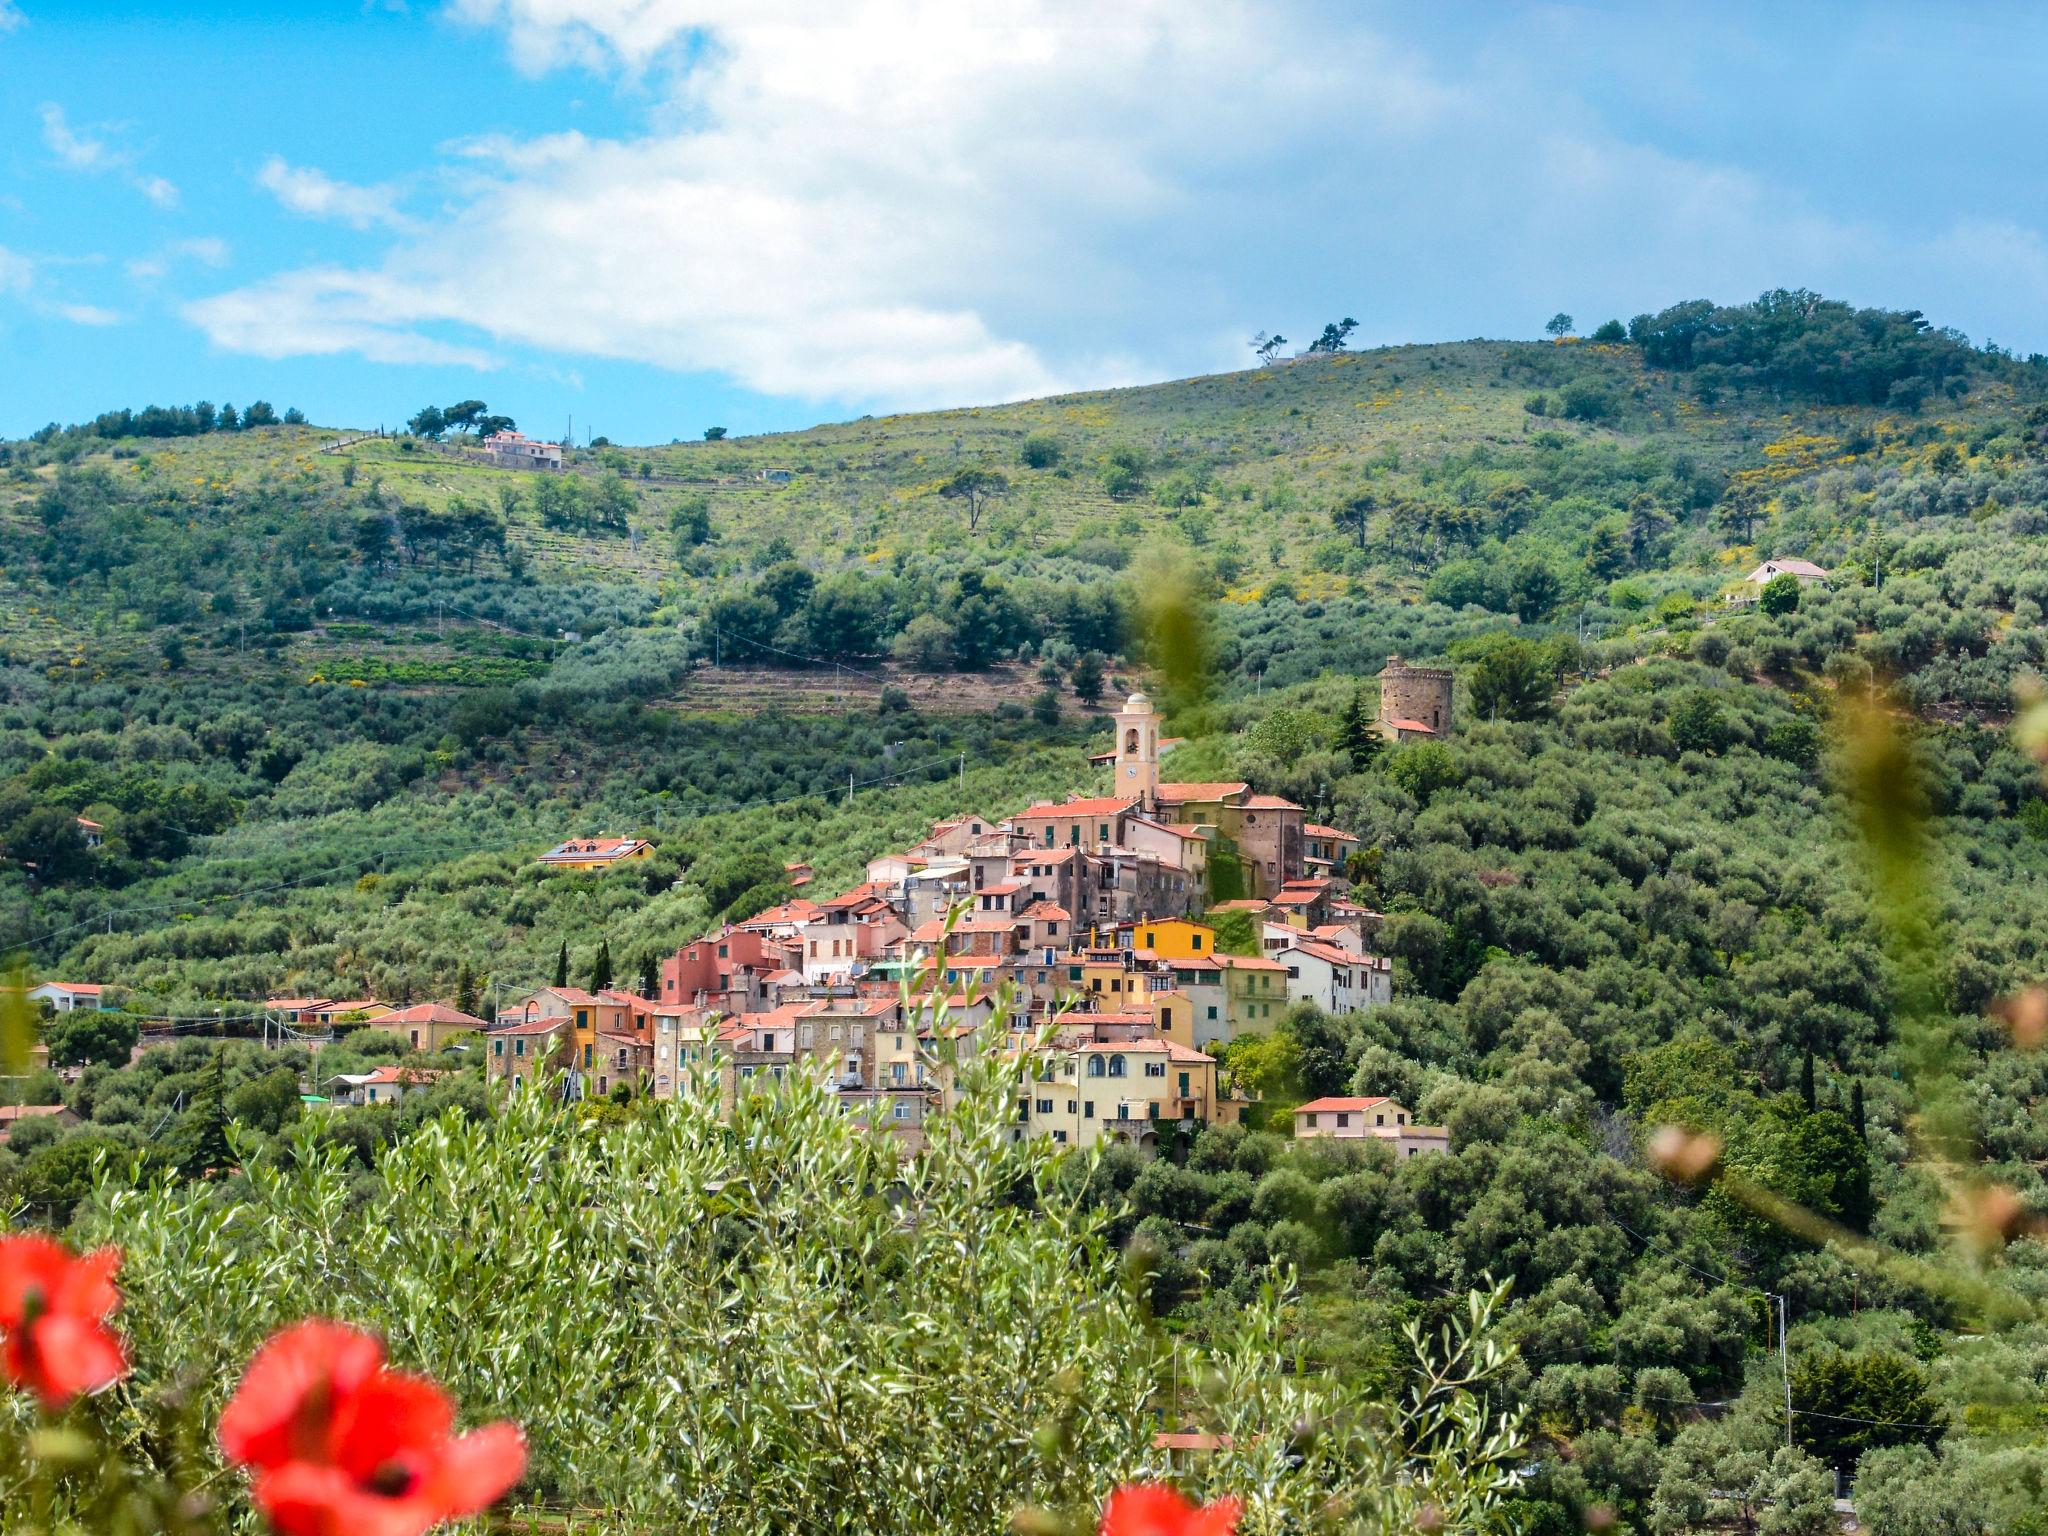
(1334,979)
(69,996)
(515,450)
(1805,572)
(388,1083)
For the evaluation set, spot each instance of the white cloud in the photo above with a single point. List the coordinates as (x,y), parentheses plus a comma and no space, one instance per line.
(23,279)
(78,151)
(10,16)
(315,195)
(863,204)
(205,250)
(82,150)
(891,203)
(323,311)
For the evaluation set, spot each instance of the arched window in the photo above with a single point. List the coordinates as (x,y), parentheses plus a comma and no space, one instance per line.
(1095,1066)
(1116,1066)
(1131,740)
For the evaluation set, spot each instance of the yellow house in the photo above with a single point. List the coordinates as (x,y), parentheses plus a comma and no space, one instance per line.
(1119,1090)
(1113,984)
(1176,938)
(596,852)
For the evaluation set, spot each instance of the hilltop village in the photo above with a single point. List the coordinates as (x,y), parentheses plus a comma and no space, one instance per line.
(1133,935)
(1085,913)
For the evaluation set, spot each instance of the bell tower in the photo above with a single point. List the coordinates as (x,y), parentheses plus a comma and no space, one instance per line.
(1137,750)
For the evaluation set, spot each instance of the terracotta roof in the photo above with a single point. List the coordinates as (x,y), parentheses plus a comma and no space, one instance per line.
(391,1072)
(12,1112)
(1174,793)
(1297,898)
(432,1013)
(1185,831)
(1270,803)
(1413,725)
(541,1026)
(1245,963)
(1789,567)
(1047,911)
(860,893)
(1317,1106)
(82,988)
(795,910)
(1326,952)
(1047,810)
(294,1004)
(1312,830)
(1242,904)
(1173,1050)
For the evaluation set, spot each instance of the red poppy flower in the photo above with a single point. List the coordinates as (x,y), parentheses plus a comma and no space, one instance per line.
(53,1312)
(1153,1509)
(341,1446)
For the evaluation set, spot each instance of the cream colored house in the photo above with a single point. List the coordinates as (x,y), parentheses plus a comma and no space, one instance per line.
(1363,1119)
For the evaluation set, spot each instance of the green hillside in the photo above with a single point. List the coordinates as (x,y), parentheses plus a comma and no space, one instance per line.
(1771,871)
(270,667)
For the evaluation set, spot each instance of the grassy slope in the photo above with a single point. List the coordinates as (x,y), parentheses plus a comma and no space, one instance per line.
(1275,446)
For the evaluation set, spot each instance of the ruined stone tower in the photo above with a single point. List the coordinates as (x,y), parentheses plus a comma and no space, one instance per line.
(1412,697)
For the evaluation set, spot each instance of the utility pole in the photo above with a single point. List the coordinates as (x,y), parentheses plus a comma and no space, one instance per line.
(963,772)
(1785,1370)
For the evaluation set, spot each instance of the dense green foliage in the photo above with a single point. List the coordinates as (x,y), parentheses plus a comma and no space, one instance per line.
(772,1322)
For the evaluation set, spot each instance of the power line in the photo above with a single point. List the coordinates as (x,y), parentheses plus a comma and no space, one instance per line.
(817,661)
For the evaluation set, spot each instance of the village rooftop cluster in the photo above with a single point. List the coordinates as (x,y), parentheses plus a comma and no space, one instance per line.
(1083,915)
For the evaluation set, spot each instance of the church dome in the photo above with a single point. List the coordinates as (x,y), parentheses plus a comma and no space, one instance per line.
(1137,704)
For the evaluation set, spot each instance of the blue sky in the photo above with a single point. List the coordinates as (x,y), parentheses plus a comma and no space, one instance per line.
(658,215)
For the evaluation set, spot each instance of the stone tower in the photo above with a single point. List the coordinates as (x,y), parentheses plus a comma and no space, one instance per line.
(1421,694)
(1137,750)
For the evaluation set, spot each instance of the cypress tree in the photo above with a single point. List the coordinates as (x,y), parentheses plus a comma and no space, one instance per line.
(1806,1090)
(650,975)
(1856,1108)
(562,965)
(601,967)
(1355,734)
(207,1148)
(465,990)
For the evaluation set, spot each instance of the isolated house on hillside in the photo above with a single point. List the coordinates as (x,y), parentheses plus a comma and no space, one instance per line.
(1805,572)
(1359,1119)
(596,852)
(515,450)
(66,996)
